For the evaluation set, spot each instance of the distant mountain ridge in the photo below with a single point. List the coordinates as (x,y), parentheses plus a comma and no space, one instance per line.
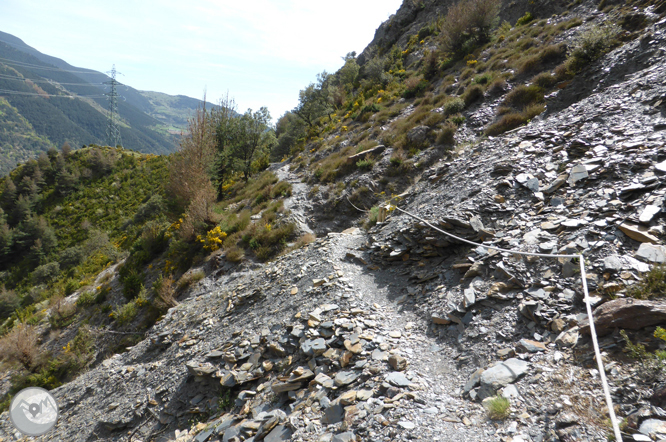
(38,113)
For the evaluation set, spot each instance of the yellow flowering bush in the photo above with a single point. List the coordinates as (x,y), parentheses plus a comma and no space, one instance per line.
(213,240)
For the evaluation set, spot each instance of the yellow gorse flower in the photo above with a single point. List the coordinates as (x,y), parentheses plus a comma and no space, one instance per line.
(213,240)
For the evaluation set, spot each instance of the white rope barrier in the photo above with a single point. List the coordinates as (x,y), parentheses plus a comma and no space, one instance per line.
(581,259)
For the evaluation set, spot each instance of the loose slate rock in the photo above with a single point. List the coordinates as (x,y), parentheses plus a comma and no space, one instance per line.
(279,434)
(397,362)
(333,414)
(652,253)
(347,436)
(398,379)
(531,346)
(632,314)
(653,426)
(345,378)
(500,375)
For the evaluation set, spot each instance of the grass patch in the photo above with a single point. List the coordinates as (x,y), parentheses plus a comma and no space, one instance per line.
(498,408)
(522,96)
(473,94)
(446,134)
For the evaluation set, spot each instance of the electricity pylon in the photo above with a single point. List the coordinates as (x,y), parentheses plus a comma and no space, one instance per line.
(112,130)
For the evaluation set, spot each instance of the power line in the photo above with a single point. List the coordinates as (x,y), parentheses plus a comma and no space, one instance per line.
(112,131)
(54,68)
(10,92)
(10,77)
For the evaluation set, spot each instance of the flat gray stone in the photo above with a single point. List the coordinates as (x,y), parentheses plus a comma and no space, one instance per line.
(501,375)
(345,378)
(397,379)
(661,166)
(469,297)
(407,425)
(314,347)
(653,426)
(473,380)
(279,434)
(578,172)
(347,436)
(378,355)
(624,262)
(324,380)
(648,213)
(652,253)
(333,414)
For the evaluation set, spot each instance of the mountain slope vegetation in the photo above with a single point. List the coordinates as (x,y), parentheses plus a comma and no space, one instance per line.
(448,111)
(40,88)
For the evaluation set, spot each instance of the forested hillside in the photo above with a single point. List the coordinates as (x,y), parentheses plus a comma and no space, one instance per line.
(63,104)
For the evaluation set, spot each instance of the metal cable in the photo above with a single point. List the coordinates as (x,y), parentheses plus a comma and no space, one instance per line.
(593,333)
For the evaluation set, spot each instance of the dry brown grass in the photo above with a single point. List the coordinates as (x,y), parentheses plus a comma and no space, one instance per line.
(165,291)
(21,345)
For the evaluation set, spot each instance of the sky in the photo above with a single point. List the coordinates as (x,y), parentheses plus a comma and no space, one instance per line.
(262,52)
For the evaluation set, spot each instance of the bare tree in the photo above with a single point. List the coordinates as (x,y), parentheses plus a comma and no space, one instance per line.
(190,170)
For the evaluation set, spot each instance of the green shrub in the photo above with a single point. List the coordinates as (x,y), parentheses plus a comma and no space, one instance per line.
(484,78)
(547,55)
(434,118)
(498,86)
(126,313)
(86,299)
(373,214)
(652,285)
(395,161)
(415,88)
(512,120)
(592,44)
(281,189)
(533,110)
(425,31)
(71,257)
(524,19)
(366,164)
(9,302)
(132,281)
(165,293)
(45,272)
(151,209)
(457,120)
(468,24)
(234,254)
(190,278)
(454,106)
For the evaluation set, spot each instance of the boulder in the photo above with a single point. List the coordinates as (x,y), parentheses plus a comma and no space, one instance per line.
(627,313)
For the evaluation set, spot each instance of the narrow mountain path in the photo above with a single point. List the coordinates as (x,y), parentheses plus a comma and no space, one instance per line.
(437,412)
(298,201)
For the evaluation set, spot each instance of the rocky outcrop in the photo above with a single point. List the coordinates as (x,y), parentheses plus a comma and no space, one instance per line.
(631,314)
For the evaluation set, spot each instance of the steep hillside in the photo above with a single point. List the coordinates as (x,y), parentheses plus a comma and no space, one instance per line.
(422,169)
(39,88)
(175,115)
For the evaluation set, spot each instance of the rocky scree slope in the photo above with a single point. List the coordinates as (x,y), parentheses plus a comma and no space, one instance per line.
(400,332)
